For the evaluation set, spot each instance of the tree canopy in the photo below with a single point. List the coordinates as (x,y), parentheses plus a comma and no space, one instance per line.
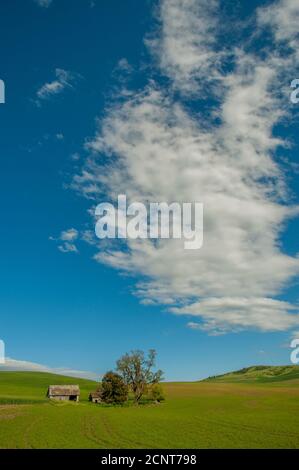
(114,389)
(136,371)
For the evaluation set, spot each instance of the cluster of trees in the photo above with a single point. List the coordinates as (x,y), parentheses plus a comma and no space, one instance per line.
(134,373)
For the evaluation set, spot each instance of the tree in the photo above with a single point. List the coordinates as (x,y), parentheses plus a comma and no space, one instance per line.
(114,389)
(156,393)
(136,371)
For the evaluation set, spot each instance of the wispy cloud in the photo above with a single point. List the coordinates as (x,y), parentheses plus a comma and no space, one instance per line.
(240,313)
(63,80)
(68,248)
(223,158)
(282,20)
(17,365)
(66,241)
(186,46)
(43,3)
(69,235)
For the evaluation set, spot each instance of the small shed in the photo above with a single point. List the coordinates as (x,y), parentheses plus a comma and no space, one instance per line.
(64,392)
(95,397)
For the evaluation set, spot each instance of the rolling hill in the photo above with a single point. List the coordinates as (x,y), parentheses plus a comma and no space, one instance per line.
(31,387)
(258,374)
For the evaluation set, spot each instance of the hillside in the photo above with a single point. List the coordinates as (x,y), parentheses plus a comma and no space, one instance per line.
(30,387)
(258,374)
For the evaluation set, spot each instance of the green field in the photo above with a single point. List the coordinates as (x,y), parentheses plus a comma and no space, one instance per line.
(218,413)
(259,374)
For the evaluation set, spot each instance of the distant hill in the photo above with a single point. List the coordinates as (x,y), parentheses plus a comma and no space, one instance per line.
(256,374)
(31,387)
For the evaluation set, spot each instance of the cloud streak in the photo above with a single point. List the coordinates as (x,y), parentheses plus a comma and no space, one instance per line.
(43,3)
(18,365)
(63,80)
(66,241)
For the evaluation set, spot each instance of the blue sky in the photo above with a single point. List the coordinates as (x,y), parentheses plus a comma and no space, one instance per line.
(147,98)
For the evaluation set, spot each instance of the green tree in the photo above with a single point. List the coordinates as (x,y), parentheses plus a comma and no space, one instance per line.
(136,371)
(156,393)
(114,389)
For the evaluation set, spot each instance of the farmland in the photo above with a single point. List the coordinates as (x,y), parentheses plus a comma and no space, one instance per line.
(217,413)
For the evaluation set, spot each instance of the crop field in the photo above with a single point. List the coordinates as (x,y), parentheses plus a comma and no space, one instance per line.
(262,413)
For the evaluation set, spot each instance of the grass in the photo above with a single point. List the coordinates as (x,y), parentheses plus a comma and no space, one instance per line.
(209,414)
(31,387)
(259,374)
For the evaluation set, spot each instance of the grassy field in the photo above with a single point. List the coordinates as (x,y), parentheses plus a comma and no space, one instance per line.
(259,374)
(209,414)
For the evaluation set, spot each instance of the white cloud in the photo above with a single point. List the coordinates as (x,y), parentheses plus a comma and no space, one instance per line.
(63,80)
(17,365)
(68,248)
(165,153)
(67,237)
(124,66)
(186,47)
(75,156)
(43,3)
(282,19)
(89,237)
(240,313)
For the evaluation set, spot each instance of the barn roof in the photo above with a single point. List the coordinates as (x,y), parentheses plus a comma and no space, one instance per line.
(95,394)
(63,390)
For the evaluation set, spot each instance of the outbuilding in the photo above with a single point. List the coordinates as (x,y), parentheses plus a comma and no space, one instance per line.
(64,392)
(95,397)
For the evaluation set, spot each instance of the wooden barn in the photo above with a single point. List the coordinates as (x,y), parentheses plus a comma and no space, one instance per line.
(64,392)
(95,397)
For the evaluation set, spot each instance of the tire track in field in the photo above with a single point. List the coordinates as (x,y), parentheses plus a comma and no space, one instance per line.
(248,427)
(10,412)
(109,429)
(90,432)
(28,429)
